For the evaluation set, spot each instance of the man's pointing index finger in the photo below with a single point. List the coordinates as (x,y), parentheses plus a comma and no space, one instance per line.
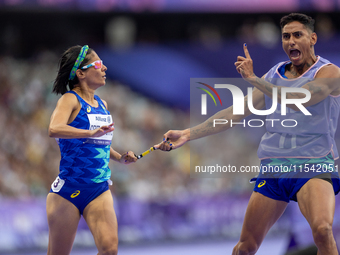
(246,52)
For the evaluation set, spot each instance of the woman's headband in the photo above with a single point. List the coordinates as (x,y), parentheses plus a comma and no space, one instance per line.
(78,62)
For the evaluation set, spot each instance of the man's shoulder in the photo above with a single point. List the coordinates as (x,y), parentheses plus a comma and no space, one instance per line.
(329,70)
(326,63)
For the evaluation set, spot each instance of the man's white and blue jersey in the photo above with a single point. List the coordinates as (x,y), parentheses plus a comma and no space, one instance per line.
(86,160)
(313,136)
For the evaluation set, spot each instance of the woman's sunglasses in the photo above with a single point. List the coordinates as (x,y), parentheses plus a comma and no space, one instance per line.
(97,65)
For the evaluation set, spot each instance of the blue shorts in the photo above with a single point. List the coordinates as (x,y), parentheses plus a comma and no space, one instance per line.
(283,189)
(277,186)
(78,194)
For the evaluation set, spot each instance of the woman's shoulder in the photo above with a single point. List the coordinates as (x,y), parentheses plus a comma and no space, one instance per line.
(69,99)
(69,95)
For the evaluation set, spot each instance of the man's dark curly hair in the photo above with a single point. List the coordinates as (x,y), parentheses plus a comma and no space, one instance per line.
(307,21)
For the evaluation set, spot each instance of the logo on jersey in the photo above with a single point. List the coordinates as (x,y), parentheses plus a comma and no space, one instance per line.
(88,108)
(57,184)
(261,184)
(75,194)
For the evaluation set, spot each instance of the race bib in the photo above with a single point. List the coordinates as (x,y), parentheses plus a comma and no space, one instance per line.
(97,121)
(57,184)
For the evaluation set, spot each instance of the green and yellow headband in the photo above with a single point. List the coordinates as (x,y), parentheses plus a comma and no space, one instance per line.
(78,62)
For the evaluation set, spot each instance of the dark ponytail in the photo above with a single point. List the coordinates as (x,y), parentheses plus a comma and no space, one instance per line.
(66,64)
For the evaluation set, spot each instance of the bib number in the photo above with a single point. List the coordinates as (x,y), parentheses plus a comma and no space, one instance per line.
(97,121)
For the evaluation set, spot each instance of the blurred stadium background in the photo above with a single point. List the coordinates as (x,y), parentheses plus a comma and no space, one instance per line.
(151,48)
